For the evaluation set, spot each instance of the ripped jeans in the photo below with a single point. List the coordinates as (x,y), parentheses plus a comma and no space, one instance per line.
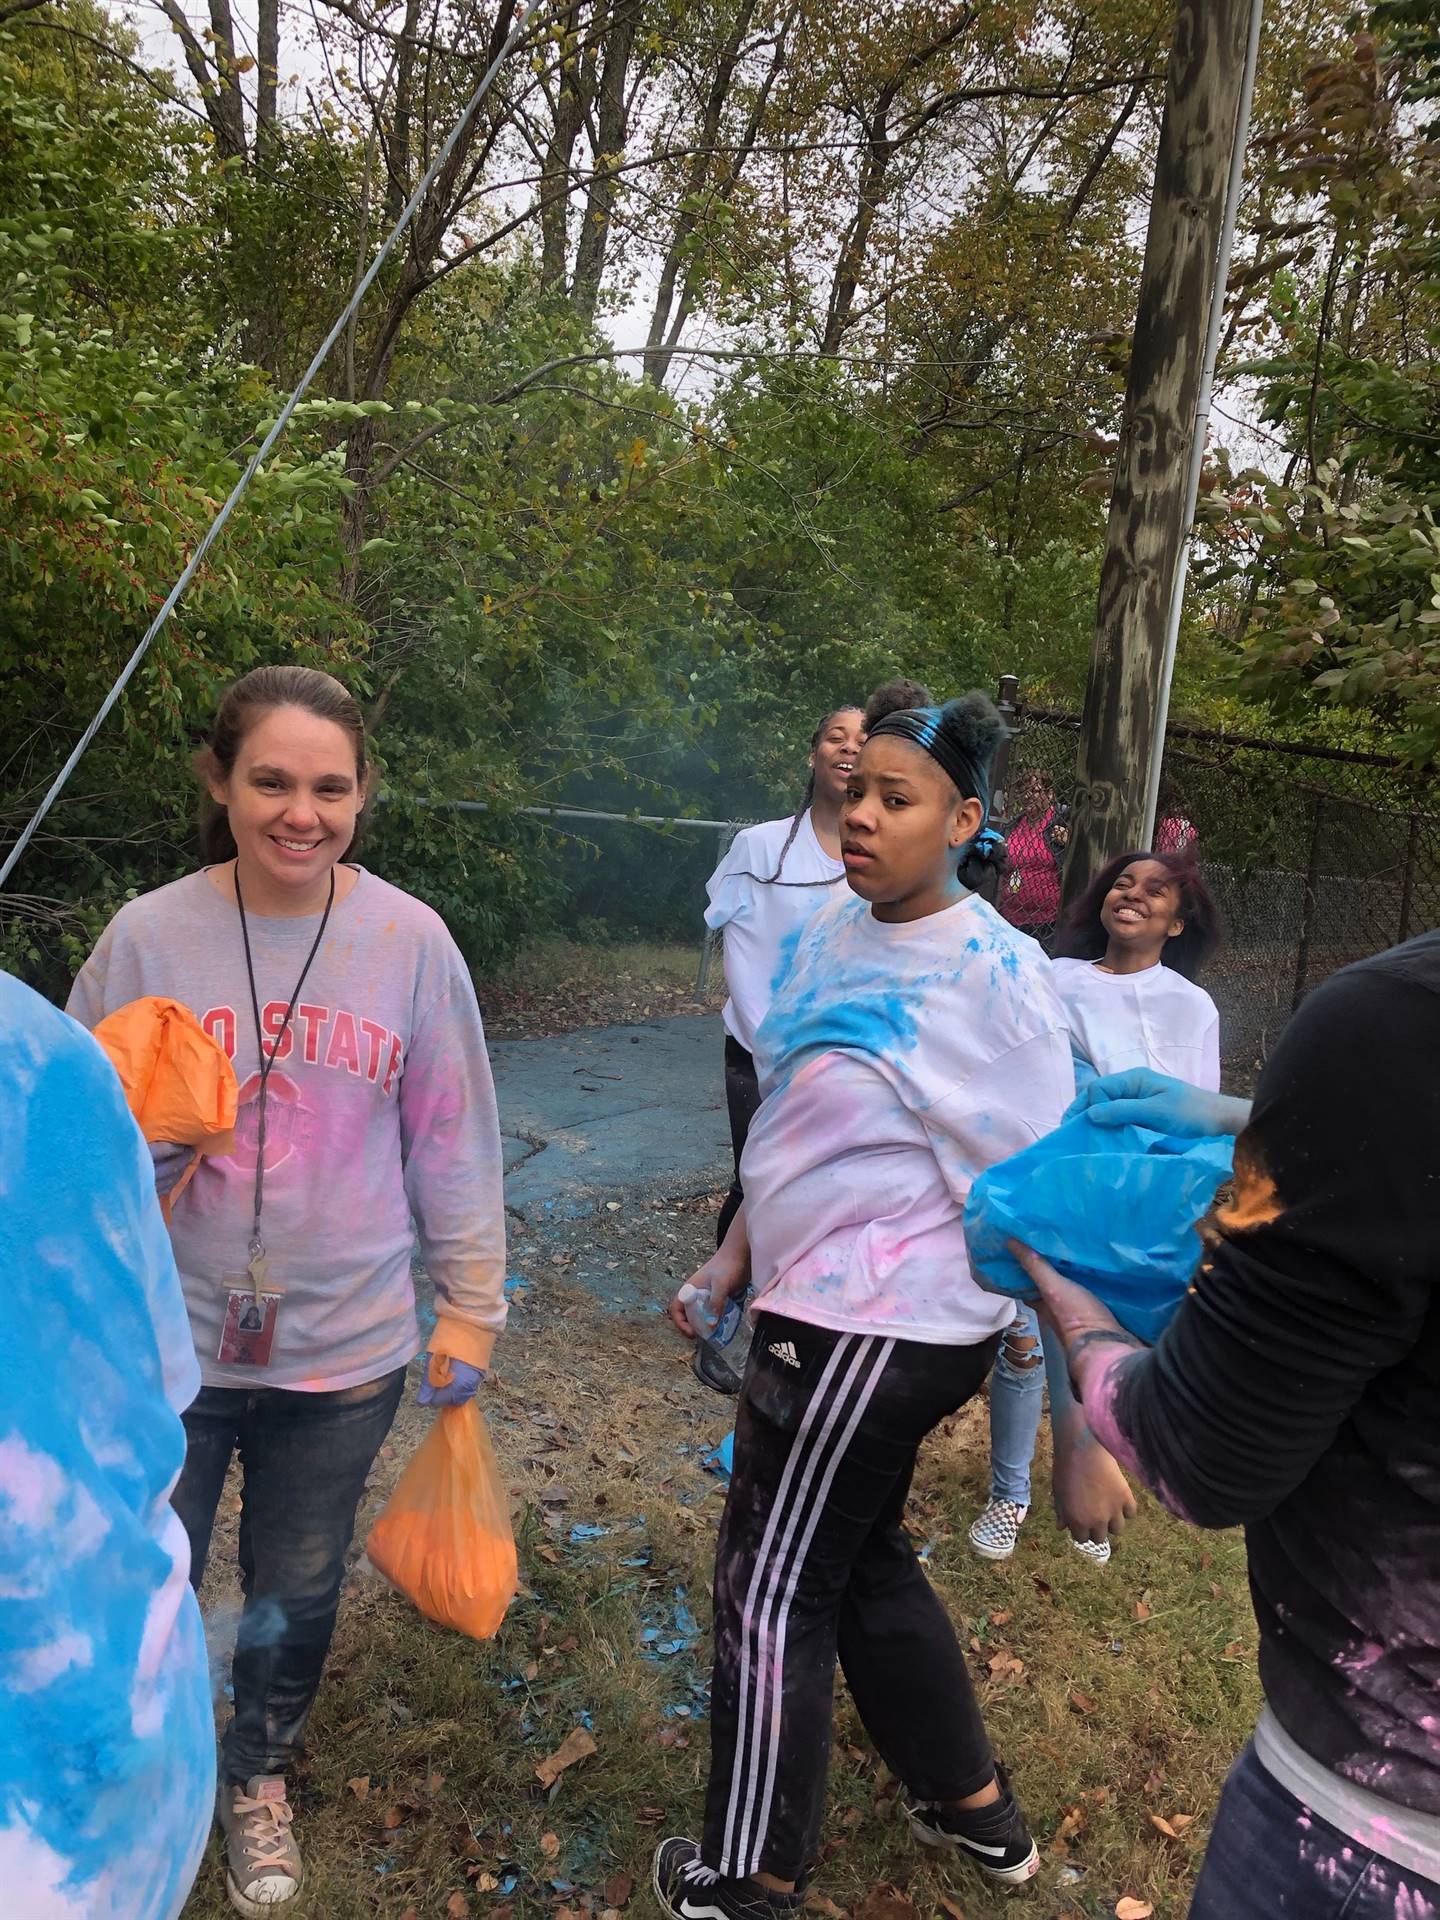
(304,1459)
(1017,1399)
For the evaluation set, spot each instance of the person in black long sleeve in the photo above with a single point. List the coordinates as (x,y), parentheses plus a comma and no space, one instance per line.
(1297,1392)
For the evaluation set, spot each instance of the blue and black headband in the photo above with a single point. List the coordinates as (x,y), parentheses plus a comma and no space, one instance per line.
(933,729)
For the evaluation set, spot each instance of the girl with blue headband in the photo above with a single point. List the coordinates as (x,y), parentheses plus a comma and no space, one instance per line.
(915,1040)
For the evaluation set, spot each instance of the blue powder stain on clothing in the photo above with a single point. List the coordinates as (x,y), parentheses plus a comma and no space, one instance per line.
(834,1000)
(788,948)
(105,1761)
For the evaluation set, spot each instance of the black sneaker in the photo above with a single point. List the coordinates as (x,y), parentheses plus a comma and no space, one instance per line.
(995,1838)
(687,1890)
(711,1366)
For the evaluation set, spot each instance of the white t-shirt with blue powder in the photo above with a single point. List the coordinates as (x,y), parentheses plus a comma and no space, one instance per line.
(897,1062)
(762,917)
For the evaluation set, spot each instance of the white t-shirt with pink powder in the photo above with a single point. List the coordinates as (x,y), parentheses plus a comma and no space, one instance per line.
(381,1111)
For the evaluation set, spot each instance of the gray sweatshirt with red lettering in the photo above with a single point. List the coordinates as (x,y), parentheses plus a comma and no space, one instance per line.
(381,1113)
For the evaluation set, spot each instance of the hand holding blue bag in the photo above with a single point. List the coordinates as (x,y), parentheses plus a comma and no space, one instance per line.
(1115,1208)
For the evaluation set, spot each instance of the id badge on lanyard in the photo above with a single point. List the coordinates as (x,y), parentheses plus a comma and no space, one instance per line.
(252,1302)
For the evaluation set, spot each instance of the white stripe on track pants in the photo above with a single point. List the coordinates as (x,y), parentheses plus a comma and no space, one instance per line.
(812,1560)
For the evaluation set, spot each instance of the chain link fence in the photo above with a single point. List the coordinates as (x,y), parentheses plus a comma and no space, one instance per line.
(1316,856)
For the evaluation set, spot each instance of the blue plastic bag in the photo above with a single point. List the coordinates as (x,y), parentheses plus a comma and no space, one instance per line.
(1114,1208)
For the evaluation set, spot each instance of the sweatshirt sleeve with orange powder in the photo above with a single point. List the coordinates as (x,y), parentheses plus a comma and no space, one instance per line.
(450,1141)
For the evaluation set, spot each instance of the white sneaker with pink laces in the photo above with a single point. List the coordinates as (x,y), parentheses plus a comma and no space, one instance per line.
(262,1861)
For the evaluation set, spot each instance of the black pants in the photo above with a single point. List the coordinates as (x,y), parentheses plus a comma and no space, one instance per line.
(305,1458)
(812,1560)
(742,1097)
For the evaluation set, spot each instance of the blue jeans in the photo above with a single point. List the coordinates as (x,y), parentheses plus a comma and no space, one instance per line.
(1270,1856)
(1017,1397)
(304,1457)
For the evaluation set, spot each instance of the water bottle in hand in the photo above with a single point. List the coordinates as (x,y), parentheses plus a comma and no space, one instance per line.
(705,1323)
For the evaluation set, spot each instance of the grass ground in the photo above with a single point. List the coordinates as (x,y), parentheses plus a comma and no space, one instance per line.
(1117,1697)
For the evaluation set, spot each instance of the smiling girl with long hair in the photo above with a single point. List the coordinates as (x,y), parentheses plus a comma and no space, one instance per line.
(1126,956)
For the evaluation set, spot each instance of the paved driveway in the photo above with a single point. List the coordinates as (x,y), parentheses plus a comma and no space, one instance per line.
(590,1116)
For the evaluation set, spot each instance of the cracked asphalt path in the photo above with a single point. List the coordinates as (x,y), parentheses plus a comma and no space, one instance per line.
(604,1112)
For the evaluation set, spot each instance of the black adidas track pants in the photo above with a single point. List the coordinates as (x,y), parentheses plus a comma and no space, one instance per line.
(812,1560)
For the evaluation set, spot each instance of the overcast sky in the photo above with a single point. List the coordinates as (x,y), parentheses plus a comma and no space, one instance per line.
(302,72)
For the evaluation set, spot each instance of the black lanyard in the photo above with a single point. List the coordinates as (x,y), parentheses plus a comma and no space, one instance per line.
(267,1061)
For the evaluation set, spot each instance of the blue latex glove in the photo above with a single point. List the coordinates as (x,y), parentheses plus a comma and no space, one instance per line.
(462,1385)
(169,1161)
(1143,1098)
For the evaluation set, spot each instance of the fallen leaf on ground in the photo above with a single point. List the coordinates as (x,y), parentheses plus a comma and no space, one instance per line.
(817,1902)
(392,1817)
(435,1782)
(1001,1619)
(1129,1908)
(578,1744)
(1142,1612)
(359,1786)
(649,1816)
(457,1906)
(550,1845)
(885,1903)
(1081,1702)
(618,1889)
(1070,1824)
(952,1907)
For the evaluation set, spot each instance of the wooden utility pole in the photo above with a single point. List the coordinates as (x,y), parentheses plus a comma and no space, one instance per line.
(1147,508)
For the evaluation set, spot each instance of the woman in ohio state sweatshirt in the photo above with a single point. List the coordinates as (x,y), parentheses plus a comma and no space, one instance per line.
(367,1114)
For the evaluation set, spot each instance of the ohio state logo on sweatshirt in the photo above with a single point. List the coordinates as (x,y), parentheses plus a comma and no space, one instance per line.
(321,1037)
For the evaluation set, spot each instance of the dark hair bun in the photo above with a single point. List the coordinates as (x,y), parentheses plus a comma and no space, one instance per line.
(975,727)
(894,696)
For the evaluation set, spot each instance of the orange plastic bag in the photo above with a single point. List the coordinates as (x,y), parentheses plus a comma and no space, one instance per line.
(178,1082)
(444,1537)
